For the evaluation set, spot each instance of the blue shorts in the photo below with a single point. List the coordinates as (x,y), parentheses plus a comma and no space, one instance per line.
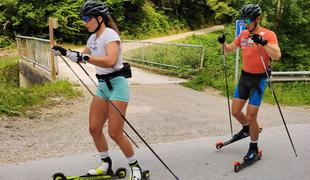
(120,91)
(252,87)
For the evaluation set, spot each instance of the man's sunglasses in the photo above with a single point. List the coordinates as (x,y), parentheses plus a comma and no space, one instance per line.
(86,18)
(248,21)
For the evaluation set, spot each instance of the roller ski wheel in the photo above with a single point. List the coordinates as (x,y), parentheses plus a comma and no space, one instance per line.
(239,166)
(221,144)
(119,173)
(59,176)
(146,175)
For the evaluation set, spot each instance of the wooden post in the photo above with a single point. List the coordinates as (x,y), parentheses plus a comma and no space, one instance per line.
(202,57)
(51,33)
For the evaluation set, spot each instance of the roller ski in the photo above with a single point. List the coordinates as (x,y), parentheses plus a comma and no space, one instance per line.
(251,157)
(239,136)
(120,173)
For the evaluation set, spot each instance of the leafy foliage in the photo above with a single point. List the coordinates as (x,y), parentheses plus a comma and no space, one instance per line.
(297,93)
(213,72)
(140,19)
(294,29)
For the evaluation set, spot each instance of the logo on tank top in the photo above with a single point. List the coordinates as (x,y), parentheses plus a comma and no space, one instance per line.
(247,42)
(94,45)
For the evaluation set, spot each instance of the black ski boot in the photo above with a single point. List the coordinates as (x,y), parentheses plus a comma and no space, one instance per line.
(252,153)
(244,132)
(251,157)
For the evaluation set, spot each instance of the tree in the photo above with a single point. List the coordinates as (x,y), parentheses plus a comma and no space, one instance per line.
(294,37)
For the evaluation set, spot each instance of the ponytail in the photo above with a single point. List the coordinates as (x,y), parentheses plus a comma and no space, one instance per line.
(109,22)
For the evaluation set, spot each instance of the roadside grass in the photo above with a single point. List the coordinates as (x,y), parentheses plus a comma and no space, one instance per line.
(15,100)
(212,74)
(9,71)
(293,93)
(73,46)
(166,56)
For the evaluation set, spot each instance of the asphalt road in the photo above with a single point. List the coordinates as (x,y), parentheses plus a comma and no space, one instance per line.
(195,159)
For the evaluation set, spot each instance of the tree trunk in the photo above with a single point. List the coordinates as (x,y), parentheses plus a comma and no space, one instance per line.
(279,15)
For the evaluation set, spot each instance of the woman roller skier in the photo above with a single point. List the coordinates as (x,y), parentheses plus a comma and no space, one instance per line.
(103,50)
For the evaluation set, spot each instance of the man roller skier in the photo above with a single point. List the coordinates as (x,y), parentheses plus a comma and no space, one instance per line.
(253,79)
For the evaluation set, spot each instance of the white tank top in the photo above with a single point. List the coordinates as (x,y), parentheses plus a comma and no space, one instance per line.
(97,48)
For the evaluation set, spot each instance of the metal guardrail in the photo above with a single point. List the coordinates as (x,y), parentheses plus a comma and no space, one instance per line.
(288,76)
(36,51)
(169,55)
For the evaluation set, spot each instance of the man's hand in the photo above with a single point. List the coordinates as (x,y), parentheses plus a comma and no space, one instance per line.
(56,49)
(258,39)
(221,39)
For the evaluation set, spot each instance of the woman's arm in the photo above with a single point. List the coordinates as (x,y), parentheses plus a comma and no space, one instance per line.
(109,60)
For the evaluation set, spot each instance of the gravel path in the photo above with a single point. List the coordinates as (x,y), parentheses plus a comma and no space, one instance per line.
(159,112)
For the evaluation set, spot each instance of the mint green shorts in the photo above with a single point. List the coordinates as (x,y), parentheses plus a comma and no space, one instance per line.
(120,91)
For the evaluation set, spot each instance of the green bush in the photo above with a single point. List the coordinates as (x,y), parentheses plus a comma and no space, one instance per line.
(146,23)
(297,93)
(4,42)
(213,72)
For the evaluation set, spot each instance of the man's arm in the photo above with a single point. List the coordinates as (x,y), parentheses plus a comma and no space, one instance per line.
(270,45)
(228,48)
(273,50)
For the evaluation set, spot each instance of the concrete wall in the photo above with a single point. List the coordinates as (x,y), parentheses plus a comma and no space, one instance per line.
(32,74)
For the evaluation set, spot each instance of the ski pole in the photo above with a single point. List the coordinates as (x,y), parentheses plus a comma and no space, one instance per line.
(92,93)
(275,98)
(128,124)
(227,92)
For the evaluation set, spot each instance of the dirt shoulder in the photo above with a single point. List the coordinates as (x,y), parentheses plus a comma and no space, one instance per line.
(159,112)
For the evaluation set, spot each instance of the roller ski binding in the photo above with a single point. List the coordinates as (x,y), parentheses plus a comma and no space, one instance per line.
(120,173)
(251,157)
(137,173)
(239,136)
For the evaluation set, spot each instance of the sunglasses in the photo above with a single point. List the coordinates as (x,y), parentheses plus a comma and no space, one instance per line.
(248,21)
(86,18)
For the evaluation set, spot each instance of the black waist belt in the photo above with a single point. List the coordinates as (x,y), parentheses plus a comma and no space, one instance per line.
(262,75)
(125,72)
